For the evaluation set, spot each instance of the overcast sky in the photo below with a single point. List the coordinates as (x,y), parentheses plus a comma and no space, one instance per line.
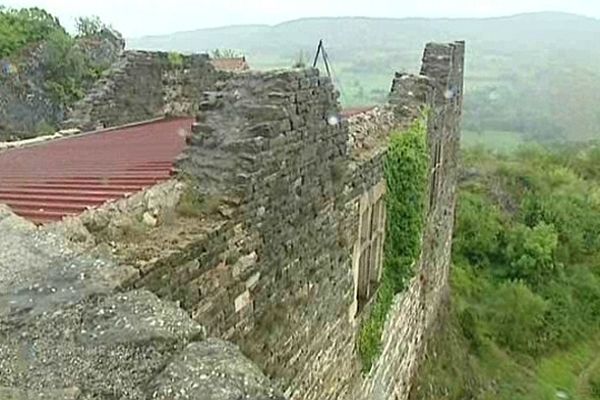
(146,17)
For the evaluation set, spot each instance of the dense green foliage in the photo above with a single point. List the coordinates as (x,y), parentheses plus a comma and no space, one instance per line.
(406,168)
(67,70)
(530,75)
(525,322)
(22,27)
(49,58)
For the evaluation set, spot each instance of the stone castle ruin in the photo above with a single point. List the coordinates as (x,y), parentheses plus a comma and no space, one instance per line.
(262,294)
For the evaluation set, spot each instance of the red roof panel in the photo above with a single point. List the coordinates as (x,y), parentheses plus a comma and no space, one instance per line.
(50,180)
(352,111)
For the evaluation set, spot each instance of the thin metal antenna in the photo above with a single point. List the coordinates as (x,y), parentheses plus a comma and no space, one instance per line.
(326,60)
(328,67)
(319,47)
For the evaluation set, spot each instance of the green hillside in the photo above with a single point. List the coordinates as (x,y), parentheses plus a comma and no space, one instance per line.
(534,74)
(524,321)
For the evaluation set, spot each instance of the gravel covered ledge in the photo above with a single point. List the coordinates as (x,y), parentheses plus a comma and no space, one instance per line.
(67,332)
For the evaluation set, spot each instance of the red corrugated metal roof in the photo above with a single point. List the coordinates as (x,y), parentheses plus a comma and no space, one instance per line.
(350,112)
(235,64)
(63,177)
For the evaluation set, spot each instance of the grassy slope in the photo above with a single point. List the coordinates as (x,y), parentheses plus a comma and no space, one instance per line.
(502,141)
(456,372)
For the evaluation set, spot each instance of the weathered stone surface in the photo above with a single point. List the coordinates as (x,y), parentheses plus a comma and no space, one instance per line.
(66,333)
(144,85)
(113,220)
(414,311)
(49,269)
(149,219)
(122,218)
(370,130)
(214,370)
(409,94)
(61,394)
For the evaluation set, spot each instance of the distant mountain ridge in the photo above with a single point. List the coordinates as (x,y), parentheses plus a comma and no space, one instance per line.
(535,73)
(548,16)
(244,36)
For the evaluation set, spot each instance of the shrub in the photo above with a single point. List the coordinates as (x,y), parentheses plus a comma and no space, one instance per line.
(21,28)
(190,203)
(530,253)
(562,326)
(175,59)
(90,26)
(526,278)
(477,234)
(67,71)
(594,384)
(225,53)
(516,317)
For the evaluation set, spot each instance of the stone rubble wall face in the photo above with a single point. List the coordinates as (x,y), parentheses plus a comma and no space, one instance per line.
(265,140)
(143,85)
(70,331)
(276,275)
(369,129)
(415,311)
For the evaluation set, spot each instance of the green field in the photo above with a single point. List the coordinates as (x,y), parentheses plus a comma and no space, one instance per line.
(500,141)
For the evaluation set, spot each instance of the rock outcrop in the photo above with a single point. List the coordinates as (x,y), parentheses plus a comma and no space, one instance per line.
(27,108)
(67,331)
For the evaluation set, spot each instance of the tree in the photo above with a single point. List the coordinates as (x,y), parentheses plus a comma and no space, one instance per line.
(93,27)
(225,53)
(21,28)
(65,69)
(89,26)
(531,253)
(301,60)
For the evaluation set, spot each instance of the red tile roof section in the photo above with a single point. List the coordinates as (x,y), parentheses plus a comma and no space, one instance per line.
(64,177)
(230,64)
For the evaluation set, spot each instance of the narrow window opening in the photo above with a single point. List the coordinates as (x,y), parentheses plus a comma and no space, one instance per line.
(435,174)
(370,244)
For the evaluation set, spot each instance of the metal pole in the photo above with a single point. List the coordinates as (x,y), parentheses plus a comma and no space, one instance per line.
(318,51)
(326,59)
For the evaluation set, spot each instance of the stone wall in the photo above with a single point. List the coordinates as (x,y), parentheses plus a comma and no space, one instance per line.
(275,274)
(267,142)
(415,311)
(144,85)
(25,109)
(369,130)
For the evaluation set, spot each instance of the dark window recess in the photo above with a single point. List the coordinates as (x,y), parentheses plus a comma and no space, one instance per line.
(372,236)
(436,172)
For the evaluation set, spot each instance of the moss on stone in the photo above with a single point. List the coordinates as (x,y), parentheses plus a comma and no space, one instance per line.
(193,204)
